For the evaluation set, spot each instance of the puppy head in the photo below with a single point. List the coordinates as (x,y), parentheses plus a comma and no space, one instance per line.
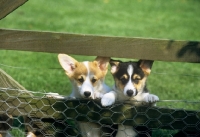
(86,77)
(130,77)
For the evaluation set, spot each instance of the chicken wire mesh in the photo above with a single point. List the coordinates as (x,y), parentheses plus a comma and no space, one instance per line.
(24,111)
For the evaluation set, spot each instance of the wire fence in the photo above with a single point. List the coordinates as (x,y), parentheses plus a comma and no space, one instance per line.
(25,111)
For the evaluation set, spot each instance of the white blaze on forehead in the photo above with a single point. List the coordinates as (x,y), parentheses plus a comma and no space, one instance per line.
(86,63)
(87,86)
(129,85)
(130,70)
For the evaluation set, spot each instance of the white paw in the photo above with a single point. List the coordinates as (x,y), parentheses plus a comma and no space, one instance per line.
(151,98)
(54,95)
(108,99)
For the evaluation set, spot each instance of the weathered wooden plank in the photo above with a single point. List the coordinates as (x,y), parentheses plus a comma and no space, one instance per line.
(7,6)
(137,48)
(89,110)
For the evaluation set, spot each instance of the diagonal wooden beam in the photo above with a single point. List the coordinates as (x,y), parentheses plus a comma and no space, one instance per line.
(6,81)
(8,6)
(92,45)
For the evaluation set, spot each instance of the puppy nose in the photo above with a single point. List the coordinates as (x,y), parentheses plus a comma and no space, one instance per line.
(129,93)
(87,93)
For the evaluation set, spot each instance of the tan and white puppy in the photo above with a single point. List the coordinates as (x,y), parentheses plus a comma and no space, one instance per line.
(130,84)
(87,79)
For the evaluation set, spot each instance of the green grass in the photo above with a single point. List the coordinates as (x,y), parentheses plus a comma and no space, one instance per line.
(139,18)
(170,19)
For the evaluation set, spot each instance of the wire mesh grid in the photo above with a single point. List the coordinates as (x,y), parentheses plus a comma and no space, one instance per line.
(23,111)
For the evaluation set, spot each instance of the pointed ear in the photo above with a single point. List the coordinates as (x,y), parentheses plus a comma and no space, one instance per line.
(146,65)
(114,66)
(68,63)
(103,62)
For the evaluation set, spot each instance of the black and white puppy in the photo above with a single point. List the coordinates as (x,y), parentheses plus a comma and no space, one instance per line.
(130,84)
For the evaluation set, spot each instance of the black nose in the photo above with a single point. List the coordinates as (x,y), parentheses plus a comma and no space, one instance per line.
(87,93)
(129,93)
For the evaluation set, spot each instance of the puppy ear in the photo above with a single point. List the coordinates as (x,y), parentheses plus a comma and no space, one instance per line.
(68,63)
(103,62)
(146,65)
(114,66)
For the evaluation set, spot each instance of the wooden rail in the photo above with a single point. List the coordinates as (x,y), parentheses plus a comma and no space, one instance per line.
(123,47)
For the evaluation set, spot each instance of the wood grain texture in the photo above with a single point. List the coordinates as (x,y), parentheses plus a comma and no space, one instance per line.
(7,6)
(6,81)
(122,47)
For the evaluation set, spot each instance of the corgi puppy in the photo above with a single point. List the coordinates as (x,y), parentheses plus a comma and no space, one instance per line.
(87,79)
(130,84)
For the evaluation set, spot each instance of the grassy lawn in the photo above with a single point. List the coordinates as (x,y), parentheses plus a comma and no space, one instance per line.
(178,20)
(171,19)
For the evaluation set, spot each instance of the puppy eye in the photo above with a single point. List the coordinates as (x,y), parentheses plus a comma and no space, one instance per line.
(81,79)
(123,80)
(137,78)
(94,80)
